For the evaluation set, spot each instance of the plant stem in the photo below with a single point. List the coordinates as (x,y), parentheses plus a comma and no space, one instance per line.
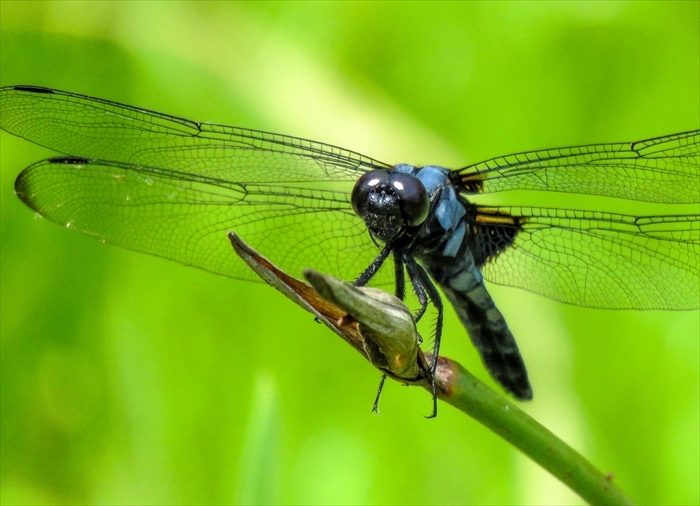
(468,394)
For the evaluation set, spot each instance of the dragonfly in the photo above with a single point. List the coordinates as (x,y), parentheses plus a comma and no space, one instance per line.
(173,188)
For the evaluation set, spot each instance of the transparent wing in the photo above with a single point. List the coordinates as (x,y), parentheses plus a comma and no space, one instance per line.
(664,169)
(185,216)
(87,127)
(174,187)
(600,260)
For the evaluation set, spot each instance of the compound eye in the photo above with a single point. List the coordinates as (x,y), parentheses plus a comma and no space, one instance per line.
(413,197)
(366,184)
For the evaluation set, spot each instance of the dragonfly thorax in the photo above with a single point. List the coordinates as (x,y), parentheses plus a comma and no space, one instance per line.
(389,202)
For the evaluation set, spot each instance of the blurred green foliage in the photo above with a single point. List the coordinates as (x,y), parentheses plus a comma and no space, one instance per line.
(130,379)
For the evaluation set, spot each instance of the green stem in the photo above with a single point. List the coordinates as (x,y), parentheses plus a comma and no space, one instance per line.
(470,395)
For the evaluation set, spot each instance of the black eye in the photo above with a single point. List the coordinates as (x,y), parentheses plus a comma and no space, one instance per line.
(413,197)
(367,183)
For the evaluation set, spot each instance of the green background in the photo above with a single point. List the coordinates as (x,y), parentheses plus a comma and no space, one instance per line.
(131,379)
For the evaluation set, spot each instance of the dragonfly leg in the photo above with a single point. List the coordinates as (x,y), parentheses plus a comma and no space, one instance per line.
(426,290)
(399,271)
(400,293)
(418,288)
(375,407)
(365,278)
(370,271)
(400,290)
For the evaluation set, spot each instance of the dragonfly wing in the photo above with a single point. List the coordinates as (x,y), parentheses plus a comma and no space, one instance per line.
(592,259)
(185,217)
(664,169)
(82,126)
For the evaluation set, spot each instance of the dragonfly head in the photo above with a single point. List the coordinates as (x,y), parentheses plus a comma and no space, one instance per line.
(388,202)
